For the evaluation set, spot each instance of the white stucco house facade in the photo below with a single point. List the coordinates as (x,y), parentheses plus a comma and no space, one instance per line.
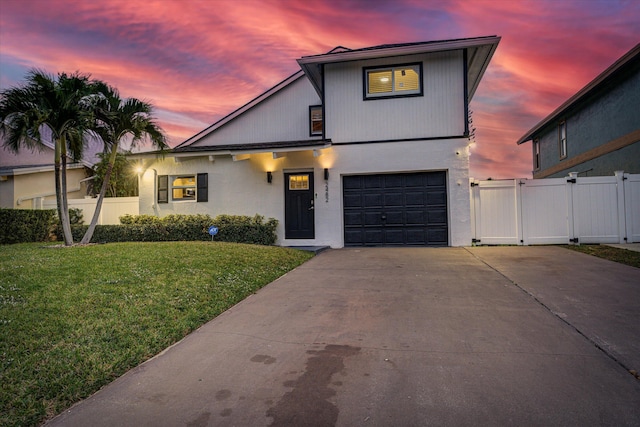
(364,147)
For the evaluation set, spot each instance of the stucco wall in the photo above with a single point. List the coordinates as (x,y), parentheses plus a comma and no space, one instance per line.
(241,187)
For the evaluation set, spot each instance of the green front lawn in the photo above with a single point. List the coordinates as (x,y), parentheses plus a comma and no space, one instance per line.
(74,319)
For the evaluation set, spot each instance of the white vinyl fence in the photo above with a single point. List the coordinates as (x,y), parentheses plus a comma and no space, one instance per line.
(573,209)
(112,208)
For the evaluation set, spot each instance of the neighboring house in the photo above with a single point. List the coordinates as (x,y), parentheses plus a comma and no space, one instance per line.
(364,147)
(27,178)
(595,132)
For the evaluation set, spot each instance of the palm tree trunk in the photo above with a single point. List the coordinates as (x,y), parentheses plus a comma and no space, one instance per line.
(63,214)
(103,190)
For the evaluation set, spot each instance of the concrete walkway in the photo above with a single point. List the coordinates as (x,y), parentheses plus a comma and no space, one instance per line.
(404,337)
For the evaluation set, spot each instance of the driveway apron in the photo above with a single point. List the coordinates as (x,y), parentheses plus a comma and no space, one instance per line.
(402,337)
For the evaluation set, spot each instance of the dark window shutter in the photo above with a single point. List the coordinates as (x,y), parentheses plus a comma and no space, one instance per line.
(203,187)
(163,188)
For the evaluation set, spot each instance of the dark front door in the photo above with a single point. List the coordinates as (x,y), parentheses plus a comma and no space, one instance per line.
(299,206)
(405,209)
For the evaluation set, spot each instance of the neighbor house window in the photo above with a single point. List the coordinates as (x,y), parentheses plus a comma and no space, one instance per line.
(183,188)
(397,80)
(536,154)
(562,139)
(315,120)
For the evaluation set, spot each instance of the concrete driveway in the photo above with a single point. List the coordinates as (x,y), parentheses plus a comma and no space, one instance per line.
(403,337)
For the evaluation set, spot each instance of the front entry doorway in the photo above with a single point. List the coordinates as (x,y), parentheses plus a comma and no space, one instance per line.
(299,208)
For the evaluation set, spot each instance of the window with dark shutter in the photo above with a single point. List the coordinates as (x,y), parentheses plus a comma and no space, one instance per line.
(203,187)
(163,188)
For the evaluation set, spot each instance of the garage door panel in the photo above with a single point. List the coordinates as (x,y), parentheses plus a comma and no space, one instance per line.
(354,183)
(356,237)
(373,200)
(436,179)
(436,198)
(372,181)
(416,236)
(396,209)
(353,218)
(435,235)
(394,218)
(352,200)
(373,218)
(394,199)
(392,181)
(414,198)
(394,236)
(373,237)
(415,217)
(436,217)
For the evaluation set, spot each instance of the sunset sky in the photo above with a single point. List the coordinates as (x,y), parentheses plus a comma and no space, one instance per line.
(198,60)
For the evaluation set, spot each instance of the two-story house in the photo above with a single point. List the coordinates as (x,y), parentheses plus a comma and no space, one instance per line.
(595,132)
(363,147)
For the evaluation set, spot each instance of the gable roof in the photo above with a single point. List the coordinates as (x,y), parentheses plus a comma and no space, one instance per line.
(229,117)
(605,77)
(480,50)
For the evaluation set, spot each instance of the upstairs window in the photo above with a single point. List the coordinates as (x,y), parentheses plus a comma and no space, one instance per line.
(393,81)
(315,120)
(562,139)
(536,154)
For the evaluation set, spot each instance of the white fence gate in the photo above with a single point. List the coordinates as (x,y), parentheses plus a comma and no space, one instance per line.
(112,208)
(602,209)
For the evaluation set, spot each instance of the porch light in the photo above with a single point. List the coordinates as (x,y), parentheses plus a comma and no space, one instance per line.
(269,177)
(326,174)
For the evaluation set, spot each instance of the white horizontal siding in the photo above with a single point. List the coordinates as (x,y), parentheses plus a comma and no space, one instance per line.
(439,112)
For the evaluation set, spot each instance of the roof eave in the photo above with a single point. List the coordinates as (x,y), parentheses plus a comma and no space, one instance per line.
(585,91)
(229,117)
(312,65)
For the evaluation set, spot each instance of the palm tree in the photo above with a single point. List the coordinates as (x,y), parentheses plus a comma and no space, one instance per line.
(59,105)
(116,120)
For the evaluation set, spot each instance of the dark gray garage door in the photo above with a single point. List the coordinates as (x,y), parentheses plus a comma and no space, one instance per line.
(406,209)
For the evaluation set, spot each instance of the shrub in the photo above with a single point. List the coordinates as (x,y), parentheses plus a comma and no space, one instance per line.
(149,228)
(76,216)
(21,225)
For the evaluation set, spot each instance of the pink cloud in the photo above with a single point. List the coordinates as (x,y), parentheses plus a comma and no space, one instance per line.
(199,60)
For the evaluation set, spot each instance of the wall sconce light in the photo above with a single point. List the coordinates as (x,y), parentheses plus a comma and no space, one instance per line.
(326,174)
(269,177)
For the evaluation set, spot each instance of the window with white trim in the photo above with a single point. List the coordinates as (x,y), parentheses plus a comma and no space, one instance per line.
(536,154)
(315,120)
(562,139)
(392,81)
